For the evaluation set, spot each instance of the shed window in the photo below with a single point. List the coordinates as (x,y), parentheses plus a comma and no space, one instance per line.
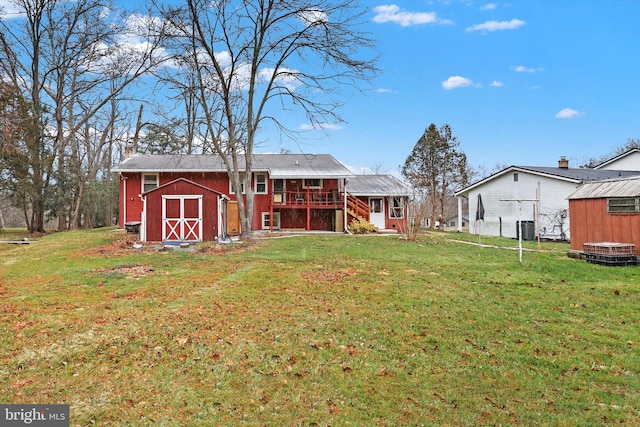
(623,205)
(515,177)
(149,182)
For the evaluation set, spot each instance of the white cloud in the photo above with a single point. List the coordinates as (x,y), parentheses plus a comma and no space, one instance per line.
(569,113)
(497,25)
(496,83)
(455,82)
(383,90)
(312,126)
(312,16)
(393,13)
(489,6)
(523,69)
(9,9)
(285,77)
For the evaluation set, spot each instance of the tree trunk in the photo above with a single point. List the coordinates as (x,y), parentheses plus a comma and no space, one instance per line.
(75,217)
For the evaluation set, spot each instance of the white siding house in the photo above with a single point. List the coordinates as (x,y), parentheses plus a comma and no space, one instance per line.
(627,161)
(550,185)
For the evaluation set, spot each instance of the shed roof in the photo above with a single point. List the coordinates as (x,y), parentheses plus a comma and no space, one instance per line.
(621,187)
(195,184)
(278,165)
(575,175)
(378,185)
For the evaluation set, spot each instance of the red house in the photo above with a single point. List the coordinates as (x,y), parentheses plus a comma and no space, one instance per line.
(189,197)
(386,197)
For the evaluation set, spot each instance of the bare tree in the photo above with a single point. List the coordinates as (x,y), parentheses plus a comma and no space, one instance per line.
(247,62)
(71,59)
(554,223)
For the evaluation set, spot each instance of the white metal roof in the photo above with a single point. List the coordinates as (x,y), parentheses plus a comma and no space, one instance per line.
(278,165)
(378,185)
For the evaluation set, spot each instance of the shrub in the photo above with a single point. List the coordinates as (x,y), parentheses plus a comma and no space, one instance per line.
(362,226)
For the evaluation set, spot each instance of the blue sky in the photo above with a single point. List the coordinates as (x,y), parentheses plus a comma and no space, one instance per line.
(519,82)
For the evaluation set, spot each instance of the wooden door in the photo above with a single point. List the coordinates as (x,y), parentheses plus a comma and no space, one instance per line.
(233,219)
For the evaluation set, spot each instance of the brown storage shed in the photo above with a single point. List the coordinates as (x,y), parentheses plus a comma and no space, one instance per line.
(183,211)
(605,211)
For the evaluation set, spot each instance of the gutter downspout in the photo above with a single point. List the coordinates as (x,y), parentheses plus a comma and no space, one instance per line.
(143,225)
(124,199)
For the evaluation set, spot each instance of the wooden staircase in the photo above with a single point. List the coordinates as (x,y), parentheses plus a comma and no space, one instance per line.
(356,208)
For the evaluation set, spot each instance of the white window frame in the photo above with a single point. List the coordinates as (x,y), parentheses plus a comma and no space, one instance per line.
(265,221)
(312,187)
(256,183)
(396,211)
(231,189)
(143,183)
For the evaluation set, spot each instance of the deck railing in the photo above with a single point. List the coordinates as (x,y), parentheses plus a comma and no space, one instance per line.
(330,199)
(311,197)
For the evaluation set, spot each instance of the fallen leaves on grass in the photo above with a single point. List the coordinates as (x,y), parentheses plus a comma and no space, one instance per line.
(326,276)
(21,383)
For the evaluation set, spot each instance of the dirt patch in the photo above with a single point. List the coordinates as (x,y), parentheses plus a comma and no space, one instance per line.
(128,271)
(123,244)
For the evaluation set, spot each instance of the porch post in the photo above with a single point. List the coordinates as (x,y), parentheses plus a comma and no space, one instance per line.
(344,211)
(459,214)
(308,208)
(270,195)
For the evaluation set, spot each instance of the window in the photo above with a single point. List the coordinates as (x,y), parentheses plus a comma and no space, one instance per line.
(278,191)
(232,189)
(312,183)
(396,207)
(260,183)
(515,177)
(149,182)
(375,205)
(623,205)
(266,221)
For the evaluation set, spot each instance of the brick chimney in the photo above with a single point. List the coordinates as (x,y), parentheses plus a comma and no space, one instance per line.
(563,163)
(129,150)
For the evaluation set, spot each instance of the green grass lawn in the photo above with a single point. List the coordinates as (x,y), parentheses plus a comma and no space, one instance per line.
(318,330)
